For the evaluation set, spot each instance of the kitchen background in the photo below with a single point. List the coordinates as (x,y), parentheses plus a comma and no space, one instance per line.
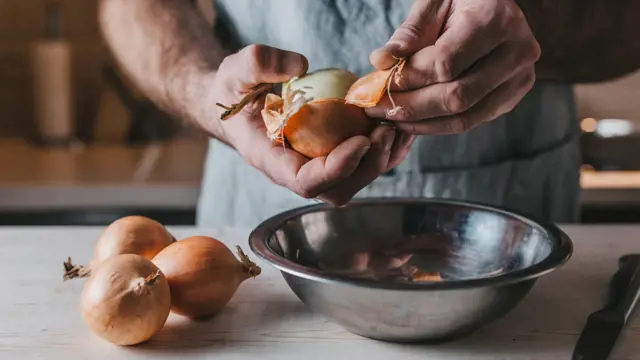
(110,153)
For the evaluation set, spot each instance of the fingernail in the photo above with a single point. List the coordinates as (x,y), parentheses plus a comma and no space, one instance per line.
(295,64)
(393,48)
(383,57)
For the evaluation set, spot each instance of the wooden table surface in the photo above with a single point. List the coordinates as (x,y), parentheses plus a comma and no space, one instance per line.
(266,321)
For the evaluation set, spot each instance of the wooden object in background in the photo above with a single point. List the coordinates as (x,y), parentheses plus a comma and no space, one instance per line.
(20,26)
(51,66)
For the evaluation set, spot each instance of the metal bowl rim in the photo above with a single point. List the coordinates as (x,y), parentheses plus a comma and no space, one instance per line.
(562,248)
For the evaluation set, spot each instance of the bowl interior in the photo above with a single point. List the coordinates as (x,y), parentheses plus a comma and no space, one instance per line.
(410,242)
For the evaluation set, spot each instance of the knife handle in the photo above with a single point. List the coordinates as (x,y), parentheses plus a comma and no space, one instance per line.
(625,286)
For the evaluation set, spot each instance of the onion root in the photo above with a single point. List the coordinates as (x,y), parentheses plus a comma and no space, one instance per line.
(251,268)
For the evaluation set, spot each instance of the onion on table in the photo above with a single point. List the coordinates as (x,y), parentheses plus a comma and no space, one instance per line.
(321,109)
(139,273)
(126,300)
(203,274)
(128,235)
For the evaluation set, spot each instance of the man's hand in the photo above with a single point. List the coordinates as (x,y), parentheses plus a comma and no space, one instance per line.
(335,178)
(468,62)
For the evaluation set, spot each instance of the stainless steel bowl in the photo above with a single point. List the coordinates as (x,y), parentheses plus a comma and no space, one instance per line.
(357,265)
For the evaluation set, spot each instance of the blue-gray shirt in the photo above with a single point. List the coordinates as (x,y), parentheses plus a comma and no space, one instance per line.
(527,160)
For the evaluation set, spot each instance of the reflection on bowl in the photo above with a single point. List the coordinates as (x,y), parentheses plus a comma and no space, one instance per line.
(410,269)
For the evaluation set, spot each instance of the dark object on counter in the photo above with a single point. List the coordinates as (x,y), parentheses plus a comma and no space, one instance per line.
(604,326)
(489,259)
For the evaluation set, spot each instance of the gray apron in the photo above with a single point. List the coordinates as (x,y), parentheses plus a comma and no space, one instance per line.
(527,160)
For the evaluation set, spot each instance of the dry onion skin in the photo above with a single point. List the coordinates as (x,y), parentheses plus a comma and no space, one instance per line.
(126,300)
(203,274)
(321,109)
(128,235)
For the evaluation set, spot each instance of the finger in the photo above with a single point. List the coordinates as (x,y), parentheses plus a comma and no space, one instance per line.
(256,64)
(419,30)
(400,150)
(307,178)
(461,46)
(372,165)
(459,95)
(501,101)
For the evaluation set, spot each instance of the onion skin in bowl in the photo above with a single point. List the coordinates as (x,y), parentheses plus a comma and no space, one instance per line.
(321,109)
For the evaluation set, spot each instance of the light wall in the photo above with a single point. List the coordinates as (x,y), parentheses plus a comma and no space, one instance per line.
(615,99)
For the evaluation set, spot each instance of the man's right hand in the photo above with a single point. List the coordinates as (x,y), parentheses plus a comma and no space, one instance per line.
(335,178)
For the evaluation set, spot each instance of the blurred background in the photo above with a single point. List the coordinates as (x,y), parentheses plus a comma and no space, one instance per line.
(78,145)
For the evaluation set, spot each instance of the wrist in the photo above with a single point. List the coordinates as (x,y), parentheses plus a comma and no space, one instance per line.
(191,93)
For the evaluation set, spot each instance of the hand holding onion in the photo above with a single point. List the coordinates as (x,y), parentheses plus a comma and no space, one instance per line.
(325,148)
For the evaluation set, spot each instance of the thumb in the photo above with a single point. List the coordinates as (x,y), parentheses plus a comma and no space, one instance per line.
(256,64)
(421,29)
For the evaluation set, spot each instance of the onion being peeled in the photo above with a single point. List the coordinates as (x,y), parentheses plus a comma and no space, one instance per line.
(203,274)
(126,300)
(320,110)
(128,235)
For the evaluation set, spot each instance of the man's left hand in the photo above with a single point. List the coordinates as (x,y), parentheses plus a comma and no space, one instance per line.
(468,62)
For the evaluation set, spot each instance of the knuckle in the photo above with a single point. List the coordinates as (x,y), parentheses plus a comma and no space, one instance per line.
(444,66)
(536,50)
(462,124)
(409,32)
(406,113)
(409,128)
(456,98)
(258,57)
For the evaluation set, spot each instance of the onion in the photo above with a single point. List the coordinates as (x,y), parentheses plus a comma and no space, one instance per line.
(203,274)
(128,235)
(126,300)
(320,110)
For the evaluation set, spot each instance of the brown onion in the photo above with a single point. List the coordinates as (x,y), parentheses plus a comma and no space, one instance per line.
(126,300)
(203,274)
(128,235)
(319,110)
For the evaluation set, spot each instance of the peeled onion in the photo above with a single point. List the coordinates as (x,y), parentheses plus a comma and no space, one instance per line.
(126,300)
(128,235)
(203,274)
(320,110)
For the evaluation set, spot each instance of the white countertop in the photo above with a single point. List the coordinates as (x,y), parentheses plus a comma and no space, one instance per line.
(266,321)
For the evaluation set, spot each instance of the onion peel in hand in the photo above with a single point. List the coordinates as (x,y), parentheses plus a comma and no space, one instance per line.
(321,109)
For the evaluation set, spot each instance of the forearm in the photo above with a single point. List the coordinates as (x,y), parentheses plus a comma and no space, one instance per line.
(585,40)
(167,49)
